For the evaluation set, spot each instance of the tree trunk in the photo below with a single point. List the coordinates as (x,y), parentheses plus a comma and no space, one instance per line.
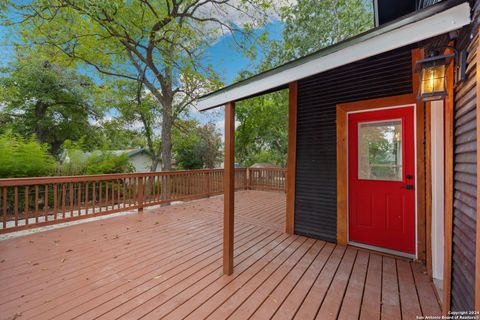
(151,180)
(154,164)
(40,111)
(166,146)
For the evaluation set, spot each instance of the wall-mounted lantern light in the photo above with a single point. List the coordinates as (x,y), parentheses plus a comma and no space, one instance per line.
(432,72)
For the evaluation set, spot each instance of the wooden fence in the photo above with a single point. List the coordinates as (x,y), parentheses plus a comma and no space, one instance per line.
(34,202)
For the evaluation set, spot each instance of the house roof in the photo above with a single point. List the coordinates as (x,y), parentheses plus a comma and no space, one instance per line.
(131,152)
(264,165)
(432,21)
(83,155)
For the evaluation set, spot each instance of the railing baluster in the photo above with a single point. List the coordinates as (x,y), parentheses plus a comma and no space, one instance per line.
(94,195)
(45,203)
(5,207)
(36,203)
(16,205)
(124,193)
(55,201)
(113,194)
(100,203)
(106,195)
(86,198)
(79,199)
(129,187)
(64,200)
(119,186)
(26,204)
(140,193)
(71,197)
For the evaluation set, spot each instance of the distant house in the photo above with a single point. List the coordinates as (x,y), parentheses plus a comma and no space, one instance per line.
(139,158)
(260,165)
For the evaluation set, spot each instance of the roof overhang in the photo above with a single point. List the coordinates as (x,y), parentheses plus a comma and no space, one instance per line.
(430,22)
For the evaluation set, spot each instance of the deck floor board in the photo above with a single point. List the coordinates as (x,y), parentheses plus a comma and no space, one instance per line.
(165,263)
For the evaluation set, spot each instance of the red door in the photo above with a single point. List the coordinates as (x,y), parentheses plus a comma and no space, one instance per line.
(381,178)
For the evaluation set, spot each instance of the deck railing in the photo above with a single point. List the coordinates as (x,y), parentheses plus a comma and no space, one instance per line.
(34,202)
(267,179)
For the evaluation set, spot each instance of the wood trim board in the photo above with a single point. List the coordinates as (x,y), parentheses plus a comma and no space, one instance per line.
(449,154)
(342,152)
(428,187)
(292,156)
(418,54)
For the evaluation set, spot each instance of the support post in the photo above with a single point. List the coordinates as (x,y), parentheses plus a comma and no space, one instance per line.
(229,188)
(292,156)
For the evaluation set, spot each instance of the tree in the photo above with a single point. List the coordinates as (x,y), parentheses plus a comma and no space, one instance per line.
(117,134)
(196,146)
(137,107)
(49,100)
(262,135)
(309,26)
(158,44)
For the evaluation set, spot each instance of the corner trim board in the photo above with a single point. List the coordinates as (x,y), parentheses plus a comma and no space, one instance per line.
(292,156)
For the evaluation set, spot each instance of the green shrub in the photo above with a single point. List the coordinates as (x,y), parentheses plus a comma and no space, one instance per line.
(104,163)
(20,157)
(76,166)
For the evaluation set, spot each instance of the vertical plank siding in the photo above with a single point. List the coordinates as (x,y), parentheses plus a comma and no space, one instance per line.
(388,74)
(462,281)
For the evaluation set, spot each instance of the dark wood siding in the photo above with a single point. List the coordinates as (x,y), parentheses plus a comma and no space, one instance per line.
(388,74)
(465,182)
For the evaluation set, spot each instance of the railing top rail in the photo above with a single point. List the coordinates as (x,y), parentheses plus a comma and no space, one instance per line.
(267,169)
(8,182)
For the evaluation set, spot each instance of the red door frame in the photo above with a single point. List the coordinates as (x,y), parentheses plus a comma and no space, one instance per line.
(377,235)
(342,163)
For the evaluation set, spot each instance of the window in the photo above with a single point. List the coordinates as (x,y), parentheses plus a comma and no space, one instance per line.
(380,150)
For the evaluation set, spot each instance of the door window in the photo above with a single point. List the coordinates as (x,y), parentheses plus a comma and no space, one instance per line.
(380,150)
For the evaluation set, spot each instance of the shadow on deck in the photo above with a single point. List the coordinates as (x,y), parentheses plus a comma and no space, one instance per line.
(167,264)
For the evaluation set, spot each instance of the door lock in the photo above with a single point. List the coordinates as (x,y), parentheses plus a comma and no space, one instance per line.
(409,187)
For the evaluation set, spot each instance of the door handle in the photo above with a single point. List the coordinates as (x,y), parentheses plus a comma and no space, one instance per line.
(408,186)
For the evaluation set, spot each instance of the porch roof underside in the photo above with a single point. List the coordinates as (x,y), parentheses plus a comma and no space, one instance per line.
(438,19)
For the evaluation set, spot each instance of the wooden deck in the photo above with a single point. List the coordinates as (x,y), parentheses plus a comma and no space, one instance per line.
(166,264)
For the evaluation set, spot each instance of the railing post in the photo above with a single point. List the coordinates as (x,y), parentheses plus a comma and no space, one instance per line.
(207,176)
(247,179)
(140,194)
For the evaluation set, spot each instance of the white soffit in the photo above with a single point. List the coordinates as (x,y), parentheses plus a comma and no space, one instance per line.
(394,36)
